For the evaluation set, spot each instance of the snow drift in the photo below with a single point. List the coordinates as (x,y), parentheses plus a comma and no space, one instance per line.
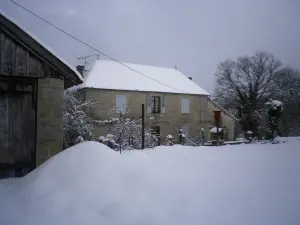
(91,184)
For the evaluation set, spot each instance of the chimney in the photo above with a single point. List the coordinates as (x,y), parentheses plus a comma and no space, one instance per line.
(80,69)
(191,78)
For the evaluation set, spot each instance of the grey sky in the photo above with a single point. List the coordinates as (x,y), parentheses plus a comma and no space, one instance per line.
(195,35)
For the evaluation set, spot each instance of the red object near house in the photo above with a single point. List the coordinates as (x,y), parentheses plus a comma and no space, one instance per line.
(217,117)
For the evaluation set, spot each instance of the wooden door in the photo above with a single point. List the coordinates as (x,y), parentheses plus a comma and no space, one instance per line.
(17,127)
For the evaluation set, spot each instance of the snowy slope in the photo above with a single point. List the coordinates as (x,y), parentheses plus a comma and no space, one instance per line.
(112,75)
(90,184)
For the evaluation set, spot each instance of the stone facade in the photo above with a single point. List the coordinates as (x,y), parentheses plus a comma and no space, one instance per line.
(49,118)
(169,122)
(227,120)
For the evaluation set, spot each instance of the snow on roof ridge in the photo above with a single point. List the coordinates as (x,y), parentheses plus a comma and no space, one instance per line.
(41,43)
(107,74)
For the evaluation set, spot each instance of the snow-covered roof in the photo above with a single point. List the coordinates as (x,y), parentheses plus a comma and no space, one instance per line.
(115,76)
(42,44)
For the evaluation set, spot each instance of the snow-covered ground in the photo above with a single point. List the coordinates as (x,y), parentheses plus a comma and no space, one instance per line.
(90,184)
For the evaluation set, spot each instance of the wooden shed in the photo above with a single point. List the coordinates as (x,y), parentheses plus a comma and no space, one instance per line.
(32,81)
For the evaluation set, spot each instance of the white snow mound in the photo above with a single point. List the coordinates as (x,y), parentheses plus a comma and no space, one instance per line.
(89,184)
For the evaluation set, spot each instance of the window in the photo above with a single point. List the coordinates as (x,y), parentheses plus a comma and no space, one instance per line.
(121,104)
(155,106)
(185,105)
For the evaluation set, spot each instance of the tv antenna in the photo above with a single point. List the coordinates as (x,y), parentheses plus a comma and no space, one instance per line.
(85,62)
(86,57)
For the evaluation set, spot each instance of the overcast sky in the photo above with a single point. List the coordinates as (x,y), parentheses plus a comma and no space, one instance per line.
(195,35)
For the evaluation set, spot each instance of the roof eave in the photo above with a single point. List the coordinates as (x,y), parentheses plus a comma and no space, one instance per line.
(111,89)
(39,49)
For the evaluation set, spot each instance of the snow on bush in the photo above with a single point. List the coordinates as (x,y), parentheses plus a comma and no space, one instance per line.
(78,124)
(275,108)
(275,104)
(109,141)
(127,132)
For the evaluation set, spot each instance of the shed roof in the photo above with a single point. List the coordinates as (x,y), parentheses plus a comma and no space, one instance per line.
(40,48)
(134,77)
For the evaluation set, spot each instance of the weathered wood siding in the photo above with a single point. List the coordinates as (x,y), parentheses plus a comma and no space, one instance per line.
(17,60)
(32,82)
(19,70)
(17,127)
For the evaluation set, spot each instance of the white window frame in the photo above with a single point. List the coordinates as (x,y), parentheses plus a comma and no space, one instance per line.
(121,104)
(185,105)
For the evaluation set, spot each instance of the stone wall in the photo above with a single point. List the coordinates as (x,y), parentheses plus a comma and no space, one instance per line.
(226,120)
(170,122)
(49,118)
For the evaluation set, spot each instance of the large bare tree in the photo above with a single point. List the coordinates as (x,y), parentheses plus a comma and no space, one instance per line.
(245,83)
(287,88)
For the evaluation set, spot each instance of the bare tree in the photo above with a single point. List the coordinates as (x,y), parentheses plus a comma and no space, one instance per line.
(287,90)
(244,84)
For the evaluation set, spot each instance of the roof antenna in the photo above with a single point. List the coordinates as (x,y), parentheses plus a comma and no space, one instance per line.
(84,71)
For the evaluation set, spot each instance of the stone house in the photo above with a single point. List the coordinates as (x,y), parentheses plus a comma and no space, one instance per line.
(172,101)
(32,81)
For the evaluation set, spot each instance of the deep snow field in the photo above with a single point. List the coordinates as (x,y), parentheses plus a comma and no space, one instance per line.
(89,184)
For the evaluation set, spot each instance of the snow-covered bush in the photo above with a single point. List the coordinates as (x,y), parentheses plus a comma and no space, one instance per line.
(275,108)
(109,141)
(127,132)
(169,140)
(78,124)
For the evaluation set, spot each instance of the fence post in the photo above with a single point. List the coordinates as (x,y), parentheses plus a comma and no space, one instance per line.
(218,134)
(121,134)
(217,115)
(143,126)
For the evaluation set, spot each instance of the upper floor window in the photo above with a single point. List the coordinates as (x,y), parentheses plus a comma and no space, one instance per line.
(121,104)
(185,105)
(156,105)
